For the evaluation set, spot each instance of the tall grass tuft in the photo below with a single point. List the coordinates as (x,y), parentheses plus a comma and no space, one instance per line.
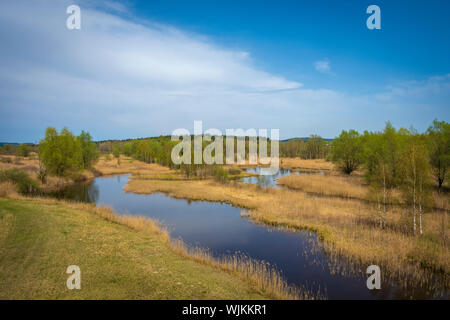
(260,273)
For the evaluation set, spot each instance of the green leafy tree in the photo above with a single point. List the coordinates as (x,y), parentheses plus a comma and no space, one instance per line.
(116,150)
(23,150)
(438,143)
(381,155)
(60,153)
(347,151)
(89,150)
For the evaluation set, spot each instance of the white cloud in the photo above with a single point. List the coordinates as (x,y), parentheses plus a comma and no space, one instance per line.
(323,66)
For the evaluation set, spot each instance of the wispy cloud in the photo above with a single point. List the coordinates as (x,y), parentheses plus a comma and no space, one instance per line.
(323,66)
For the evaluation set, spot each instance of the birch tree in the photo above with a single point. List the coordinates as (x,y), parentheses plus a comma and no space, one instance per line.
(379,171)
(415,178)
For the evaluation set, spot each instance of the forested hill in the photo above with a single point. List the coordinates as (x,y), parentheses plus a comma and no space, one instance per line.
(305,139)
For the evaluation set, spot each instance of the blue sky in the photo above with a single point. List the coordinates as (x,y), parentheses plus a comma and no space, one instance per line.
(144,68)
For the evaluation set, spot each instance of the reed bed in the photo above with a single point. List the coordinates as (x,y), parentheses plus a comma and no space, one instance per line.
(306,164)
(111,166)
(259,273)
(346,187)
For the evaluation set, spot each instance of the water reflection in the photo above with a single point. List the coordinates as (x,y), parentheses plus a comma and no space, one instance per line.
(270,180)
(83,192)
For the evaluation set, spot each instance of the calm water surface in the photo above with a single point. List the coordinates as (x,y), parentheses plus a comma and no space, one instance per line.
(221,228)
(270,180)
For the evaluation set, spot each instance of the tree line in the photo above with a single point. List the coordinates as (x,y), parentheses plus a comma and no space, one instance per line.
(314,147)
(159,150)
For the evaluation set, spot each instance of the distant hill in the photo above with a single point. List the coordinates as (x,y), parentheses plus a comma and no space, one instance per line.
(14,144)
(11,143)
(304,139)
(167,136)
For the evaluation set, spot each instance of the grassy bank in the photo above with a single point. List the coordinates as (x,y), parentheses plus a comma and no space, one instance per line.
(348,227)
(119,257)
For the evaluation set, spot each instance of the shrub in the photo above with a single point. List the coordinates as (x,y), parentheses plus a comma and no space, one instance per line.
(23,150)
(347,151)
(22,180)
(234,171)
(221,174)
(5,160)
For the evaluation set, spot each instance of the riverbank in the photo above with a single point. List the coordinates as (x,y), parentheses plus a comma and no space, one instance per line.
(348,227)
(120,257)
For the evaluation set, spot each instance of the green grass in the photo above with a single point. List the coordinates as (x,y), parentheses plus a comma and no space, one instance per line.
(39,240)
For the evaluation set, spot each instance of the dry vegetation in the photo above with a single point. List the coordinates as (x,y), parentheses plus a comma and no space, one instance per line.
(346,187)
(348,227)
(108,165)
(351,187)
(306,164)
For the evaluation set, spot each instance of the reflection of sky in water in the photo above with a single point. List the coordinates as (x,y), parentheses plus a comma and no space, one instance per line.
(270,180)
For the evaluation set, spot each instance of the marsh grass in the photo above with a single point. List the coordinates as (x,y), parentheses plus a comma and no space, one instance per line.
(260,273)
(306,164)
(346,187)
(351,187)
(8,189)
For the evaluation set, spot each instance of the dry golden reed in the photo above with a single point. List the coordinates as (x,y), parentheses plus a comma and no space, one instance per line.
(325,185)
(261,274)
(306,164)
